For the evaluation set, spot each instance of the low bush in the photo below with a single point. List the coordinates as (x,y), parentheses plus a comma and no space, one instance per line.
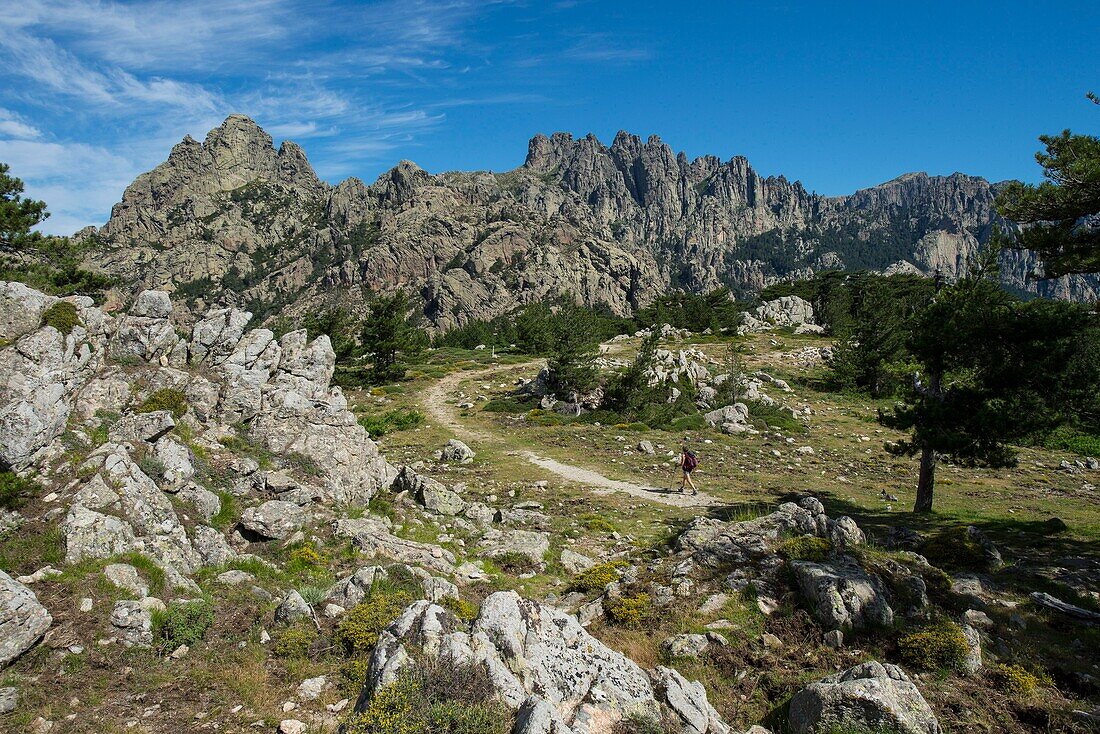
(61,316)
(597,577)
(166,398)
(436,696)
(15,490)
(459,607)
(294,642)
(182,623)
(359,627)
(805,548)
(628,611)
(641,723)
(353,674)
(939,647)
(1014,679)
(390,422)
(597,523)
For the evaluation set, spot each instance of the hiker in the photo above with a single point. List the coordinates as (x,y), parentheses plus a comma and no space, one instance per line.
(688,462)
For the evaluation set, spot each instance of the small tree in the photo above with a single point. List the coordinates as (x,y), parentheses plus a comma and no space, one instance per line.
(1060,213)
(573,351)
(17,215)
(989,374)
(387,334)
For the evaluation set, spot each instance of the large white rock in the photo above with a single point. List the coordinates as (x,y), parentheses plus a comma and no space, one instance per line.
(869,696)
(22,619)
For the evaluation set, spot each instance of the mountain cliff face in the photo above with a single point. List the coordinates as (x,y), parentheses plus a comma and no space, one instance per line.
(233,219)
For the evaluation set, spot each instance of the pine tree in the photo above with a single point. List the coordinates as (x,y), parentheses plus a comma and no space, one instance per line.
(387,334)
(991,373)
(17,215)
(1060,214)
(573,351)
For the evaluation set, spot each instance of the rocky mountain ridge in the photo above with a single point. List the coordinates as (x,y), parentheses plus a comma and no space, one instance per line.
(235,219)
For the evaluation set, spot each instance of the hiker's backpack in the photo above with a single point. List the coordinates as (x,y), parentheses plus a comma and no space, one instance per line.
(690,461)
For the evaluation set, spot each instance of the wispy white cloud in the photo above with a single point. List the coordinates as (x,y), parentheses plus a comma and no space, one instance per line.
(14,126)
(78,181)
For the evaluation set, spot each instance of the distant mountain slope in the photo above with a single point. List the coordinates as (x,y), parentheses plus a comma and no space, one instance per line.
(234,219)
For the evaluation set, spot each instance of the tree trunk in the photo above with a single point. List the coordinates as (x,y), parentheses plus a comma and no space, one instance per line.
(927,480)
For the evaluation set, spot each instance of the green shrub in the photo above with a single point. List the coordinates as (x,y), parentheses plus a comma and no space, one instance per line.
(1014,679)
(459,607)
(628,611)
(391,421)
(359,627)
(15,490)
(1069,439)
(597,577)
(151,466)
(805,548)
(940,647)
(436,696)
(61,316)
(294,642)
(353,674)
(166,398)
(597,523)
(182,623)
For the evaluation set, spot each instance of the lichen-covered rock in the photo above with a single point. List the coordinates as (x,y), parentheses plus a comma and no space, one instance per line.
(428,492)
(527,649)
(273,520)
(372,537)
(41,371)
(457,452)
(870,696)
(530,544)
(843,595)
(688,701)
(352,590)
(132,624)
(23,620)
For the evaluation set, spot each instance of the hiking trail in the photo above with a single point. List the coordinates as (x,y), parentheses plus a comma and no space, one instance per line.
(438,399)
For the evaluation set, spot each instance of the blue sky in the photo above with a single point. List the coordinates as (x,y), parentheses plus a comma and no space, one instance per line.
(837,95)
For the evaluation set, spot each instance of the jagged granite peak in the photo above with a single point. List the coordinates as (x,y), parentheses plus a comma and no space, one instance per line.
(236,220)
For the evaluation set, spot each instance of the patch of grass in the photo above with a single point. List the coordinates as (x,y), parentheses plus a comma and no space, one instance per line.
(151,466)
(805,548)
(62,316)
(28,550)
(243,445)
(15,490)
(152,573)
(182,623)
(391,421)
(939,647)
(227,512)
(507,405)
(166,398)
(773,416)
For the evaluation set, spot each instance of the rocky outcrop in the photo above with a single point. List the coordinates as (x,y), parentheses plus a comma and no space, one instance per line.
(234,218)
(543,663)
(22,619)
(871,696)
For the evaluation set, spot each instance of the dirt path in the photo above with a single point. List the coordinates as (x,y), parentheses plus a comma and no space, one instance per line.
(437,401)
